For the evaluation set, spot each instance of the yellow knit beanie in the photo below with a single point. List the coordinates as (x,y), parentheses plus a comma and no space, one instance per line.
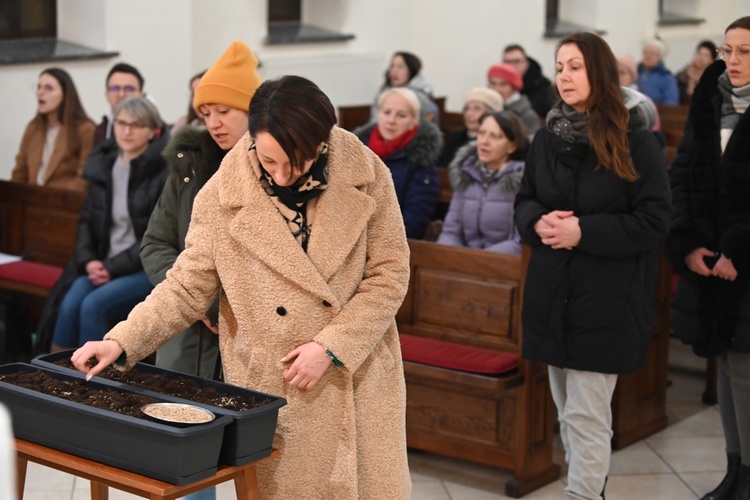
(232,80)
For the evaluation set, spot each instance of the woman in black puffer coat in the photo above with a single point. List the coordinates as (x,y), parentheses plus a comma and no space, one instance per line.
(594,205)
(106,277)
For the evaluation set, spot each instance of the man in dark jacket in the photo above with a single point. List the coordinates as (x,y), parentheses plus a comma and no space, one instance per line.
(535,85)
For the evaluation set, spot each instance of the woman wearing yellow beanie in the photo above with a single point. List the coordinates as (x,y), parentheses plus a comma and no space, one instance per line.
(222,98)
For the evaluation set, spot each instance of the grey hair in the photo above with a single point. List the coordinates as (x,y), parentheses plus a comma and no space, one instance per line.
(141,109)
(408,94)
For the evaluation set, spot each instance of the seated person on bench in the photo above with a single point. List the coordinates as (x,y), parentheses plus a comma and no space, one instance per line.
(126,177)
(486,176)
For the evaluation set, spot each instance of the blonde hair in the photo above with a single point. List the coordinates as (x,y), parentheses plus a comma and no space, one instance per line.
(408,94)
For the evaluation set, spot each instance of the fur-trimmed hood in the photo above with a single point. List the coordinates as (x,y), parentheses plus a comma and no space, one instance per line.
(422,151)
(465,168)
(197,140)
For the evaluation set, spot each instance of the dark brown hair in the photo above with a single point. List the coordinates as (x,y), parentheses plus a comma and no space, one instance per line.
(514,130)
(742,22)
(413,63)
(608,118)
(126,68)
(192,114)
(70,113)
(295,112)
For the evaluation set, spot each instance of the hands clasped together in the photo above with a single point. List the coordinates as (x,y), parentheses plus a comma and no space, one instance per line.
(97,273)
(723,268)
(559,229)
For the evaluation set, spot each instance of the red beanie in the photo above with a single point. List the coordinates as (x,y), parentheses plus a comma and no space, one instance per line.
(508,73)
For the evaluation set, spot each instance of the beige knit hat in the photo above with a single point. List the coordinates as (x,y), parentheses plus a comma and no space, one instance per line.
(487,96)
(232,80)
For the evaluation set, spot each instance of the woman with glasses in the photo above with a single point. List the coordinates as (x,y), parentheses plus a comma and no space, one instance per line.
(126,177)
(56,142)
(709,242)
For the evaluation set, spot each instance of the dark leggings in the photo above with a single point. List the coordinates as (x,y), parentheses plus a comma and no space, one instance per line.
(733,391)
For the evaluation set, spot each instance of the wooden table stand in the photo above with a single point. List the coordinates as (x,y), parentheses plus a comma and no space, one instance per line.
(103,477)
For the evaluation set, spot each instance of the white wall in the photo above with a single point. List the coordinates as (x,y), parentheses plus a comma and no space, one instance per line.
(170,40)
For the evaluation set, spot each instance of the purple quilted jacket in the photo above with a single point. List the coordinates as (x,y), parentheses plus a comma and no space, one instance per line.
(481,209)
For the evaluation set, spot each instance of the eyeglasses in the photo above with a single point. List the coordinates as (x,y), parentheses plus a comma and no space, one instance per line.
(134,126)
(42,88)
(741,51)
(116,89)
(513,61)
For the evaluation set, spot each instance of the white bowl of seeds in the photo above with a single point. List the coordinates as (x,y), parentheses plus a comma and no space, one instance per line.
(178,413)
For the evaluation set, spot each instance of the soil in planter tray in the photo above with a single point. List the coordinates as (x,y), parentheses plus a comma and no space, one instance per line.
(77,391)
(182,387)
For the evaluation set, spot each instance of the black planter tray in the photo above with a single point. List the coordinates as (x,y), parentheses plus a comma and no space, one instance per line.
(249,437)
(174,454)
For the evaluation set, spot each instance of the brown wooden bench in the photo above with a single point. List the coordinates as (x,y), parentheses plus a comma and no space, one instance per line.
(39,225)
(673,120)
(351,117)
(473,298)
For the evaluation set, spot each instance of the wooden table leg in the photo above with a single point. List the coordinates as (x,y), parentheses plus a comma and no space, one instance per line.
(246,485)
(99,491)
(21,464)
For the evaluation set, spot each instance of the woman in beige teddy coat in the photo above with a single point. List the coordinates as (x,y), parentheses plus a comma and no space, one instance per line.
(301,230)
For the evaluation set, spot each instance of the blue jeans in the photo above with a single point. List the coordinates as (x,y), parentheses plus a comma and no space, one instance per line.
(207,494)
(87,311)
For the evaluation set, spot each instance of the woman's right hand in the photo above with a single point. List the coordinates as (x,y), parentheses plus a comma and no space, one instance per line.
(106,352)
(695,262)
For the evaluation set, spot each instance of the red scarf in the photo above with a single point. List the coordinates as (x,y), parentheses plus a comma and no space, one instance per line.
(384,148)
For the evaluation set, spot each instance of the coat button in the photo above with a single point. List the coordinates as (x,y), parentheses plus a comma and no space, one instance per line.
(326,303)
(180,155)
(186,179)
(280,311)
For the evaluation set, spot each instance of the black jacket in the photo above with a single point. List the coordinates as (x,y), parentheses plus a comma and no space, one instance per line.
(537,88)
(592,308)
(712,210)
(147,175)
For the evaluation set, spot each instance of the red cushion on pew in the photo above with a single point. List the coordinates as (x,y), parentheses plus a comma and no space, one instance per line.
(455,356)
(33,273)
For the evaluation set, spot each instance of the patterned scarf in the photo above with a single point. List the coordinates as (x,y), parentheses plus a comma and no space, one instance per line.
(296,203)
(735,101)
(567,123)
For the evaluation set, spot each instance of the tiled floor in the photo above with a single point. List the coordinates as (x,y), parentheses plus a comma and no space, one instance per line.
(682,462)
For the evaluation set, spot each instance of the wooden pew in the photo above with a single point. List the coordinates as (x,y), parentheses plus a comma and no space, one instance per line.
(474,298)
(351,117)
(450,122)
(673,120)
(39,225)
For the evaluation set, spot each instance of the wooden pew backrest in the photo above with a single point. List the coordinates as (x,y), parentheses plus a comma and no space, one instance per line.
(39,223)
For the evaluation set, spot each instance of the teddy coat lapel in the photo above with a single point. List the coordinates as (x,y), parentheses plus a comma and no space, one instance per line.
(271,241)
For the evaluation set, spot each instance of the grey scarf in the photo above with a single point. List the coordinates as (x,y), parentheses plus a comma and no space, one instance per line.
(566,122)
(735,101)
